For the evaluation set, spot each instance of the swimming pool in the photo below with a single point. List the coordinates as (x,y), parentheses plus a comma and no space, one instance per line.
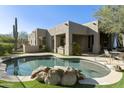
(23,66)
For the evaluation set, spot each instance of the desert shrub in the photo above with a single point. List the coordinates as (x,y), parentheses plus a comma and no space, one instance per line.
(6,48)
(2,51)
(44,48)
(9,48)
(6,39)
(76,49)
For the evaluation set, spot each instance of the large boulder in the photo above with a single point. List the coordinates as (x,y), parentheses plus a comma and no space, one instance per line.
(41,76)
(69,77)
(70,69)
(53,77)
(35,73)
(80,76)
(60,71)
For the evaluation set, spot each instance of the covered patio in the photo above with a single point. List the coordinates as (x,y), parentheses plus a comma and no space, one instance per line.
(84,41)
(63,43)
(65,35)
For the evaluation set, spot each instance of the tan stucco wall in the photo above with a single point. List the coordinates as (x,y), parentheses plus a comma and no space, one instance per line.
(68,28)
(59,30)
(36,35)
(32,38)
(40,33)
(75,28)
(95,31)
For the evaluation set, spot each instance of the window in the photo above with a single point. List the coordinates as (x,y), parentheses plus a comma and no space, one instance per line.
(62,41)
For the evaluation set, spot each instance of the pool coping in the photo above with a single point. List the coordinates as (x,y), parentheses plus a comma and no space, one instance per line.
(101,81)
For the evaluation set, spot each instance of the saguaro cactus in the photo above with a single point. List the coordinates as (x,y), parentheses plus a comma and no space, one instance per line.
(15,33)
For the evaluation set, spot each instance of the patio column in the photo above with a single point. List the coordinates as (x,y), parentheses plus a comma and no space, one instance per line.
(96,45)
(55,50)
(68,43)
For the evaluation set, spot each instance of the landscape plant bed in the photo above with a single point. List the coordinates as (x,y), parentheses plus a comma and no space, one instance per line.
(37,84)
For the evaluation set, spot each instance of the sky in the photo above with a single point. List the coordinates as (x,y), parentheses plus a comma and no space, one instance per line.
(31,17)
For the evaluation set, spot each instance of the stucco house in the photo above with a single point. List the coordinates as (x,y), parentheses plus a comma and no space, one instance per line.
(60,38)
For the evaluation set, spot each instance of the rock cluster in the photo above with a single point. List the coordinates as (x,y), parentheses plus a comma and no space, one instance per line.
(67,76)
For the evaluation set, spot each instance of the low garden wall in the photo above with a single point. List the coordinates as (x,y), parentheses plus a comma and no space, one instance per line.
(30,49)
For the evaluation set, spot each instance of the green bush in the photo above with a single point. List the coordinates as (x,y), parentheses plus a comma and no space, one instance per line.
(44,49)
(6,48)
(6,39)
(76,49)
(2,51)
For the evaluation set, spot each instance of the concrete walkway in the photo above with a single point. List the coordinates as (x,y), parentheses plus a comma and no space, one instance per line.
(102,60)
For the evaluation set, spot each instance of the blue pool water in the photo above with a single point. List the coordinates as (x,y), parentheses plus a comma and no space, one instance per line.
(24,66)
